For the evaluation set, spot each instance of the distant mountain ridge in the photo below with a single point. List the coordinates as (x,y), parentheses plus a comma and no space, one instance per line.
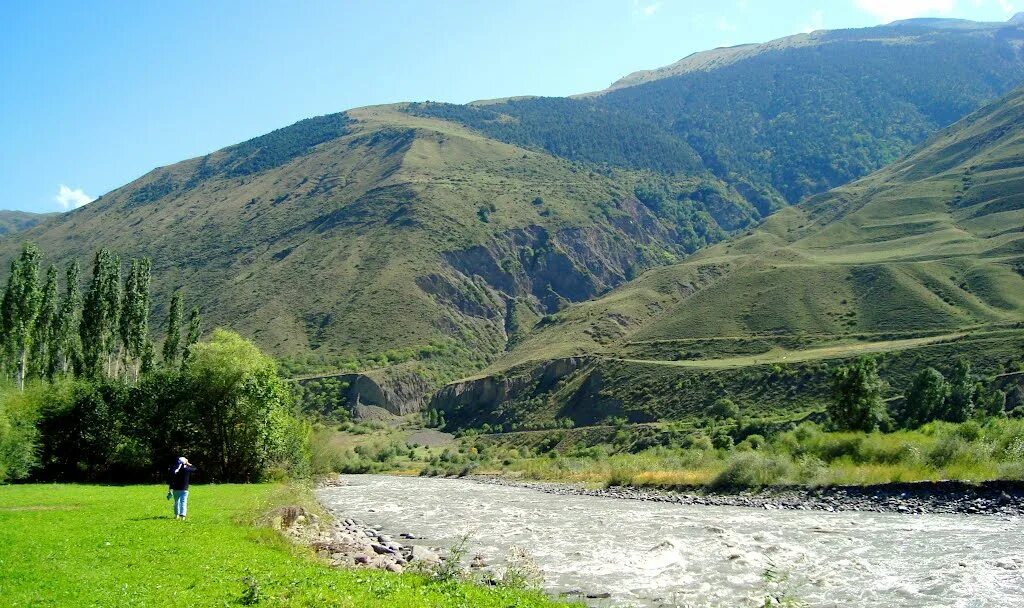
(784,119)
(440,236)
(12,222)
(925,256)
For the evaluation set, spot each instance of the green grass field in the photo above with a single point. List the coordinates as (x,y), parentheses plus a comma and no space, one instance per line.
(68,545)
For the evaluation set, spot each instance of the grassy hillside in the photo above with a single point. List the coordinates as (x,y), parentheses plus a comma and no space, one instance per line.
(16,221)
(438,236)
(779,120)
(377,233)
(923,260)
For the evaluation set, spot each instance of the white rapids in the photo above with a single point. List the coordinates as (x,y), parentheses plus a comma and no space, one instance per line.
(657,554)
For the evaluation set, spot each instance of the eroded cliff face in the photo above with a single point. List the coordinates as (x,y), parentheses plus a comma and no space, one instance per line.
(496,399)
(396,390)
(523,274)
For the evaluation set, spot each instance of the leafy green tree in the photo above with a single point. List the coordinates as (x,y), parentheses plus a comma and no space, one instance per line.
(195,331)
(99,319)
(924,401)
(67,353)
(134,326)
(857,396)
(172,340)
(19,309)
(19,435)
(995,403)
(43,329)
(725,409)
(241,406)
(959,404)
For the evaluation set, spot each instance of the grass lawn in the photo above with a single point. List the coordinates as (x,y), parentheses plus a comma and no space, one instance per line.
(76,545)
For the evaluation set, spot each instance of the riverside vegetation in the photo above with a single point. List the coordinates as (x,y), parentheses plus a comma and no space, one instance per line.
(955,429)
(83,397)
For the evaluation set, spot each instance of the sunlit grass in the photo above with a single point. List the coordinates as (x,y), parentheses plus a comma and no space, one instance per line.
(64,545)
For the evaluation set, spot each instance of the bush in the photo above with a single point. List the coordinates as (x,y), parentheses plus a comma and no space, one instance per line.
(751,470)
(18,434)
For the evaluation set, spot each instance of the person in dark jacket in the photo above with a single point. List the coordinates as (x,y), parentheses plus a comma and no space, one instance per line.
(180,474)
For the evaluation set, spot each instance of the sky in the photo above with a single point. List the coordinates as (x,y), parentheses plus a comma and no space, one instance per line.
(94,95)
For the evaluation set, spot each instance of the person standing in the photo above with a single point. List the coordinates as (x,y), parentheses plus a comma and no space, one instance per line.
(180,474)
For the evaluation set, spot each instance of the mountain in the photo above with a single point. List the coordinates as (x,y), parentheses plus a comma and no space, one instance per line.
(428,239)
(923,260)
(780,120)
(16,221)
(372,231)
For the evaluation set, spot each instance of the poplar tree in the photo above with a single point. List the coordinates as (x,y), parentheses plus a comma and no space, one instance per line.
(19,309)
(42,331)
(100,313)
(172,341)
(67,352)
(134,322)
(195,331)
(111,293)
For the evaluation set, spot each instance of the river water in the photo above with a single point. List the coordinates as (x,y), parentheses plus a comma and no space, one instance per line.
(656,554)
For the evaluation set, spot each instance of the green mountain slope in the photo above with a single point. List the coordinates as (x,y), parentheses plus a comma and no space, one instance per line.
(784,119)
(16,221)
(924,258)
(444,234)
(372,231)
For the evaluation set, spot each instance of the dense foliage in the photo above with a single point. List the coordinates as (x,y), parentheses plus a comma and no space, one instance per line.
(82,397)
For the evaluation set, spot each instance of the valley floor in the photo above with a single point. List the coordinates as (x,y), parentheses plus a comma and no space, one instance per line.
(76,545)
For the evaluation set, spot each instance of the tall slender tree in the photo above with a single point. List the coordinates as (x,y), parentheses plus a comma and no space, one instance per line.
(42,330)
(67,353)
(134,322)
(195,331)
(172,341)
(100,314)
(19,309)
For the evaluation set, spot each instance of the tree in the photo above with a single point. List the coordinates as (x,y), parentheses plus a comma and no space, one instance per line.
(959,404)
(857,396)
(67,354)
(134,326)
(19,309)
(995,403)
(195,331)
(242,407)
(725,409)
(43,329)
(172,341)
(101,313)
(924,401)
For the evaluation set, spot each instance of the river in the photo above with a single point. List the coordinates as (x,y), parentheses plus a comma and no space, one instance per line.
(655,554)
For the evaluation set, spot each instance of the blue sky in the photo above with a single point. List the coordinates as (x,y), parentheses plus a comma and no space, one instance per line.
(93,95)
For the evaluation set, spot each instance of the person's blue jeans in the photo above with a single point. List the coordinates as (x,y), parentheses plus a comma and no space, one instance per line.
(180,502)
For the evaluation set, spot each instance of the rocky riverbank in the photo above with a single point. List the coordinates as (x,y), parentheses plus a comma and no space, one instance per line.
(347,543)
(987,498)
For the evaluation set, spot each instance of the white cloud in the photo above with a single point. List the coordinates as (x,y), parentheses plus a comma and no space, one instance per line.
(817,22)
(893,10)
(724,25)
(1008,7)
(72,199)
(645,9)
